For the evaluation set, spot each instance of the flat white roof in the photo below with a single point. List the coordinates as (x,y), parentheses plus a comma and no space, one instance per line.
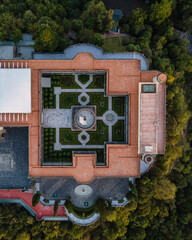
(15,90)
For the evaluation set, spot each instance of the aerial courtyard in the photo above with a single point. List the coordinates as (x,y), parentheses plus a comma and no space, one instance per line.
(94,122)
(78,116)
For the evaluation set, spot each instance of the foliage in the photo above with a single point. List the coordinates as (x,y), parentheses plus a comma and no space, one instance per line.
(98,40)
(97,17)
(56,206)
(36,199)
(160,11)
(46,37)
(85,35)
(160,204)
(17,35)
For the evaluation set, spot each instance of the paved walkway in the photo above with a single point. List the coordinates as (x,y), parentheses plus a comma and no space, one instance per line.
(40,210)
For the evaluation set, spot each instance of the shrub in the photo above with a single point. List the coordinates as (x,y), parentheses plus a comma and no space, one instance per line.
(125,28)
(56,206)
(36,199)
(125,41)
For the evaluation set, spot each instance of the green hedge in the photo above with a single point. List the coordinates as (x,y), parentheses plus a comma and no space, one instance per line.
(56,206)
(36,199)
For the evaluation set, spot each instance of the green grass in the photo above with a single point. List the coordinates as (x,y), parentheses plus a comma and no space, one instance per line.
(66,100)
(114,45)
(98,81)
(67,81)
(83,78)
(118,105)
(68,137)
(100,135)
(118,131)
(100,101)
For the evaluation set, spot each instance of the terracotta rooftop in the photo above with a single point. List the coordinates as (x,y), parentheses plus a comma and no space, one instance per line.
(123,78)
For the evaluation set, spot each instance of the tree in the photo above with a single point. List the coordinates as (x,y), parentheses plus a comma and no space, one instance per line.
(46,36)
(23,235)
(133,48)
(8,23)
(36,199)
(17,35)
(85,36)
(29,19)
(98,40)
(137,17)
(160,11)
(77,24)
(164,190)
(96,17)
(56,206)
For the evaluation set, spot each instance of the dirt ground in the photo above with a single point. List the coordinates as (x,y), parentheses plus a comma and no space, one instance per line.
(125,5)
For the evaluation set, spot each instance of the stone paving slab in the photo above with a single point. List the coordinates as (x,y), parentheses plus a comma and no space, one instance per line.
(84,146)
(57,118)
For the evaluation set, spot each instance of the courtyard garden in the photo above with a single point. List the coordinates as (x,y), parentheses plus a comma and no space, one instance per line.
(92,91)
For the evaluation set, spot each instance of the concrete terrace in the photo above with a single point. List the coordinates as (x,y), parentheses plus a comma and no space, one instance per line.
(40,210)
(72,51)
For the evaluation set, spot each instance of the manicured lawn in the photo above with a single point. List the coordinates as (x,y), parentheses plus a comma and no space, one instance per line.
(66,81)
(114,45)
(100,135)
(83,78)
(118,131)
(118,105)
(68,137)
(66,100)
(100,101)
(98,81)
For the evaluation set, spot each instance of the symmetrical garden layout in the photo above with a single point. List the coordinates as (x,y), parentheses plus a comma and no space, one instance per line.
(84,125)
(70,96)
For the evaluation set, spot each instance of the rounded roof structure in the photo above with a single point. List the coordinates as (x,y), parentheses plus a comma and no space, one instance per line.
(83,190)
(162,78)
(85,118)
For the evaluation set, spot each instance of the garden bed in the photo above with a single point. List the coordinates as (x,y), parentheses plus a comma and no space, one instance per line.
(98,81)
(118,134)
(83,78)
(49,98)
(68,137)
(78,212)
(67,99)
(98,99)
(118,105)
(99,136)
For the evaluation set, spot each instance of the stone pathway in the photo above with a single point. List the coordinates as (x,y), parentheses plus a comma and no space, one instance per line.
(84,146)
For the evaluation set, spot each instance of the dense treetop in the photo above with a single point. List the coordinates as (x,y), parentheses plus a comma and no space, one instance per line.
(160,204)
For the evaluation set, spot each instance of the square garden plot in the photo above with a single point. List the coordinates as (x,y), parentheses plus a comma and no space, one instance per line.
(76,93)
